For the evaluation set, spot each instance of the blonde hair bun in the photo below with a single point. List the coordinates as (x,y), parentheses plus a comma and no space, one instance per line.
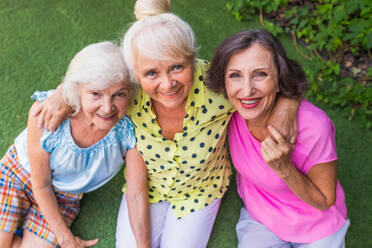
(144,8)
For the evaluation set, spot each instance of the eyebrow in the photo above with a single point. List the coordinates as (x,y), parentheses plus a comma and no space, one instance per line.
(146,70)
(256,69)
(232,69)
(124,88)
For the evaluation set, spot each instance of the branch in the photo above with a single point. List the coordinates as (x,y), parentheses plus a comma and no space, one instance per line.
(296,45)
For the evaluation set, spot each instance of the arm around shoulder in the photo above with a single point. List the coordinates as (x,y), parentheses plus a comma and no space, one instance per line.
(52,111)
(284,117)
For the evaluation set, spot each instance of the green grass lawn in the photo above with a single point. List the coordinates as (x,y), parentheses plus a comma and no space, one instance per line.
(40,37)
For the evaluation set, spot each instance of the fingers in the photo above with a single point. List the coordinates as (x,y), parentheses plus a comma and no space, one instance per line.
(267,150)
(40,119)
(89,243)
(37,108)
(47,118)
(275,148)
(55,121)
(276,135)
(270,150)
(293,136)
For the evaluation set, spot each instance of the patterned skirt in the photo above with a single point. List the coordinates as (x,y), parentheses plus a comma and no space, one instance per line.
(17,203)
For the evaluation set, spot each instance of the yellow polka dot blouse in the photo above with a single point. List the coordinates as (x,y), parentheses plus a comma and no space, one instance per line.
(193,169)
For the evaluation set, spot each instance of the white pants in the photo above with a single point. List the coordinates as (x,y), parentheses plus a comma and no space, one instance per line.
(193,230)
(253,234)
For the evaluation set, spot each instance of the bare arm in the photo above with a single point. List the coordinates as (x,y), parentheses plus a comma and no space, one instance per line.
(137,198)
(317,188)
(43,191)
(52,112)
(284,117)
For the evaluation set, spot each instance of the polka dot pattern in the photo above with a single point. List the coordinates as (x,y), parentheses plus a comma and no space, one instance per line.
(193,169)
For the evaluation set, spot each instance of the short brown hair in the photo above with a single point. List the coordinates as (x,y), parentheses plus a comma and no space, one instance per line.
(291,78)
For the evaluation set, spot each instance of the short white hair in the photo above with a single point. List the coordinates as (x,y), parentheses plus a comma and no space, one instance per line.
(100,64)
(156,35)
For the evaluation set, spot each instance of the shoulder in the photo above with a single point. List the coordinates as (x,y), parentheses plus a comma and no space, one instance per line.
(200,71)
(51,140)
(313,120)
(124,124)
(218,101)
(201,66)
(316,141)
(124,132)
(136,104)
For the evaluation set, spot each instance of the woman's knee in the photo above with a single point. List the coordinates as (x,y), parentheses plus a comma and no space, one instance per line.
(253,234)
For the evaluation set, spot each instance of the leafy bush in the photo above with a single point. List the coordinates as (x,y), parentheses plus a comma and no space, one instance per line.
(329,28)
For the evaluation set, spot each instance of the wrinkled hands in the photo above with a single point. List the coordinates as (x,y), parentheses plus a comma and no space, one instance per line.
(276,152)
(52,112)
(284,118)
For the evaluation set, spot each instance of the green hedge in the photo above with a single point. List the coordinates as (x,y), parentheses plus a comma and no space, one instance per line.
(328,27)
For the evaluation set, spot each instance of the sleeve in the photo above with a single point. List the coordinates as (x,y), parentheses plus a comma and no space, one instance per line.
(126,133)
(50,140)
(317,140)
(203,65)
(42,95)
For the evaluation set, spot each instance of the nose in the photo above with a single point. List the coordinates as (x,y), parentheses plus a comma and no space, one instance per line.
(248,87)
(107,105)
(166,81)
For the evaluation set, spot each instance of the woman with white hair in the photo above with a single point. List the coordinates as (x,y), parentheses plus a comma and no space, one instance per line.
(43,190)
(180,130)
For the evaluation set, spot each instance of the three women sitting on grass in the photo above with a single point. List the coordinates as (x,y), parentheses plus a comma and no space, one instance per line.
(291,193)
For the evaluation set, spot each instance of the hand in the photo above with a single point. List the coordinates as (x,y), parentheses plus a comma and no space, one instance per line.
(284,118)
(76,242)
(277,153)
(52,112)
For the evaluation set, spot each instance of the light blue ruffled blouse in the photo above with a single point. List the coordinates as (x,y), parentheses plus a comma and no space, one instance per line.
(80,170)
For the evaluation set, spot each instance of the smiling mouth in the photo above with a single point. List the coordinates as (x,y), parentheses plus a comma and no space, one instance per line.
(171,93)
(107,117)
(250,103)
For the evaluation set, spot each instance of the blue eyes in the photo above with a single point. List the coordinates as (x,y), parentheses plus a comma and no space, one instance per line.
(173,68)
(121,94)
(234,75)
(151,73)
(177,67)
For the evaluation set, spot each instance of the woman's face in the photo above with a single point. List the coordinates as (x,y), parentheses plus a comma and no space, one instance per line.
(251,80)
(104,108)
(166,82)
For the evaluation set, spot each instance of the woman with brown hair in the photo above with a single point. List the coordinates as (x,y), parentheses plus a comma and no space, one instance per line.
(291,194)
